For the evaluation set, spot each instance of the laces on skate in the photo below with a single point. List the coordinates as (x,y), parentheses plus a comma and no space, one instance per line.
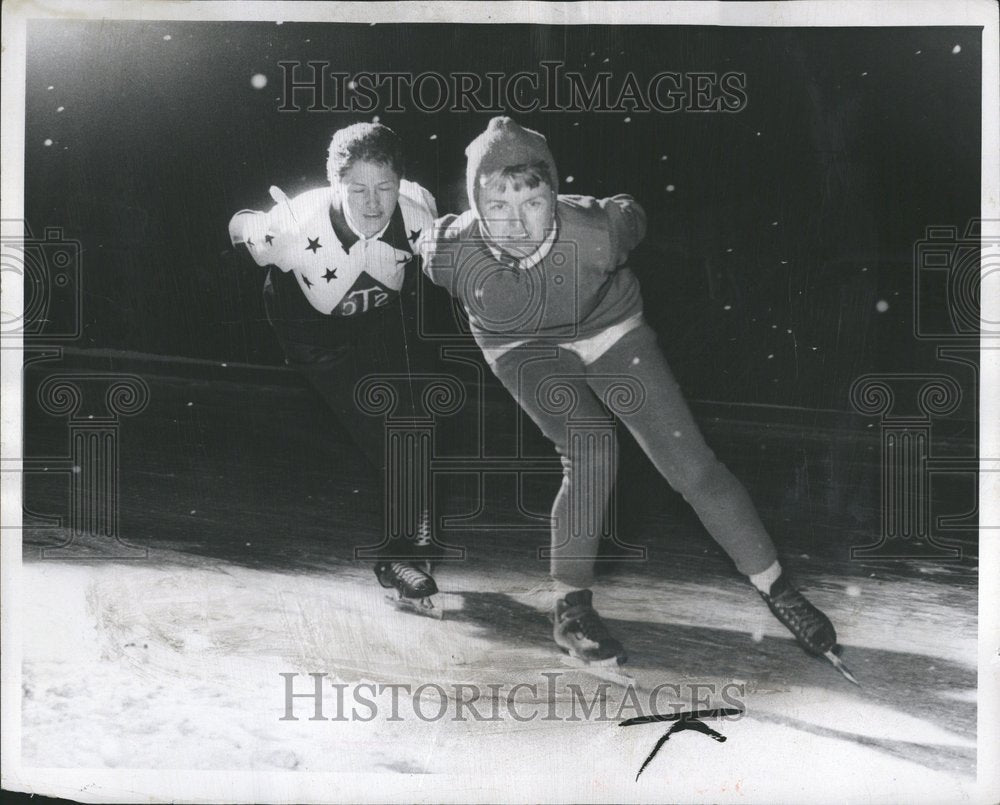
(423,536)
(408,579)
(811,628)
(414,588)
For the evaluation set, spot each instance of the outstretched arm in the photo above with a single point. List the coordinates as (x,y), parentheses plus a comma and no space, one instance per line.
(263,232)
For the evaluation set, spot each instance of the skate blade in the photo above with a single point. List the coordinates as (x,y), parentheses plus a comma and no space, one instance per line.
(838,663)
(418,606)
(609,670)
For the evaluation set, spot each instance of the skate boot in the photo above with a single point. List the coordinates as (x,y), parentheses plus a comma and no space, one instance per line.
(414,587)
(811,627)
(579,631)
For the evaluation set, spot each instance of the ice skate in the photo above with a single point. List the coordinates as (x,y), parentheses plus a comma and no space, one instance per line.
(415,587)
(810,627)
(608,670)
(579,631)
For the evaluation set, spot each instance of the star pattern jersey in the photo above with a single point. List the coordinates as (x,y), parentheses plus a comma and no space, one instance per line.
(325,280)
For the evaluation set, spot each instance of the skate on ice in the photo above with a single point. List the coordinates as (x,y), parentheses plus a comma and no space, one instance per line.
(811,628)
(415,587)
(579,631)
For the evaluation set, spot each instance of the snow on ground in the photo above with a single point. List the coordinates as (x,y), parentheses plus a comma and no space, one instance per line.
(177,666)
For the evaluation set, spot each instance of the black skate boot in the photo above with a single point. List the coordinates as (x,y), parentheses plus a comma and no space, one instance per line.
(414,588)
(811,627)
(409,580)
(579,631)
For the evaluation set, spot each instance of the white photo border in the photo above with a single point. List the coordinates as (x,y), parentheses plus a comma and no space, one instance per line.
(180,785)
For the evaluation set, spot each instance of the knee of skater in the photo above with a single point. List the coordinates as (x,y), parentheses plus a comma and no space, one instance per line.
(699,480)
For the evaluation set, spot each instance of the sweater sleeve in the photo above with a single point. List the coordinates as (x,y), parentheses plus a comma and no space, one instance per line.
(268,235)
(253,229)
(626,225)
(436,249)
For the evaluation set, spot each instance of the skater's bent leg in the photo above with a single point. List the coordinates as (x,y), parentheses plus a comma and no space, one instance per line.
(550,386)
(333,373)
(665,429)
(382,348)
(391,351)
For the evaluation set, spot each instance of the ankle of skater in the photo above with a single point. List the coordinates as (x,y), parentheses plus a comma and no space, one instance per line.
(766,578)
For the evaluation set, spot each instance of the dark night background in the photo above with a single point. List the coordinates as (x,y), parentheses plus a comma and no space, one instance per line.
(786,225)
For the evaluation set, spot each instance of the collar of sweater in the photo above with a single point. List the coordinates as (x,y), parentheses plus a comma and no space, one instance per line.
(393,233)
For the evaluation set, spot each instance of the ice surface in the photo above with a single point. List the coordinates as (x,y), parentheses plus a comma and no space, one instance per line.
(176,664)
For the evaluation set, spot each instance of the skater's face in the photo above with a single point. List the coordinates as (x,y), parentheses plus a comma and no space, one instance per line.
(371,192)
(517,218)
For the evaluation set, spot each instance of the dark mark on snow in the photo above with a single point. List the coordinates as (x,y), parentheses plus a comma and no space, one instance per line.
(683,721)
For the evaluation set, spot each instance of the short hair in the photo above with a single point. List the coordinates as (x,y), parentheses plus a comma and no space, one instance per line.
(528,174)
(369,142)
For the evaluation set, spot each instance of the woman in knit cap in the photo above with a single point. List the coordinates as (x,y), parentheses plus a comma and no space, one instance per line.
(339,295)
(557,313)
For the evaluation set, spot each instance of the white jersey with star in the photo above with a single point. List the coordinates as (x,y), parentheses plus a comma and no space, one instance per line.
(298,236)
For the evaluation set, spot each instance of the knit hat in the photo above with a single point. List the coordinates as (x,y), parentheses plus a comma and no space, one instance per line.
(502,145)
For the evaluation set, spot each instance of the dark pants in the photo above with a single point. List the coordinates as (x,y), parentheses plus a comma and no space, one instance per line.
(385,345)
